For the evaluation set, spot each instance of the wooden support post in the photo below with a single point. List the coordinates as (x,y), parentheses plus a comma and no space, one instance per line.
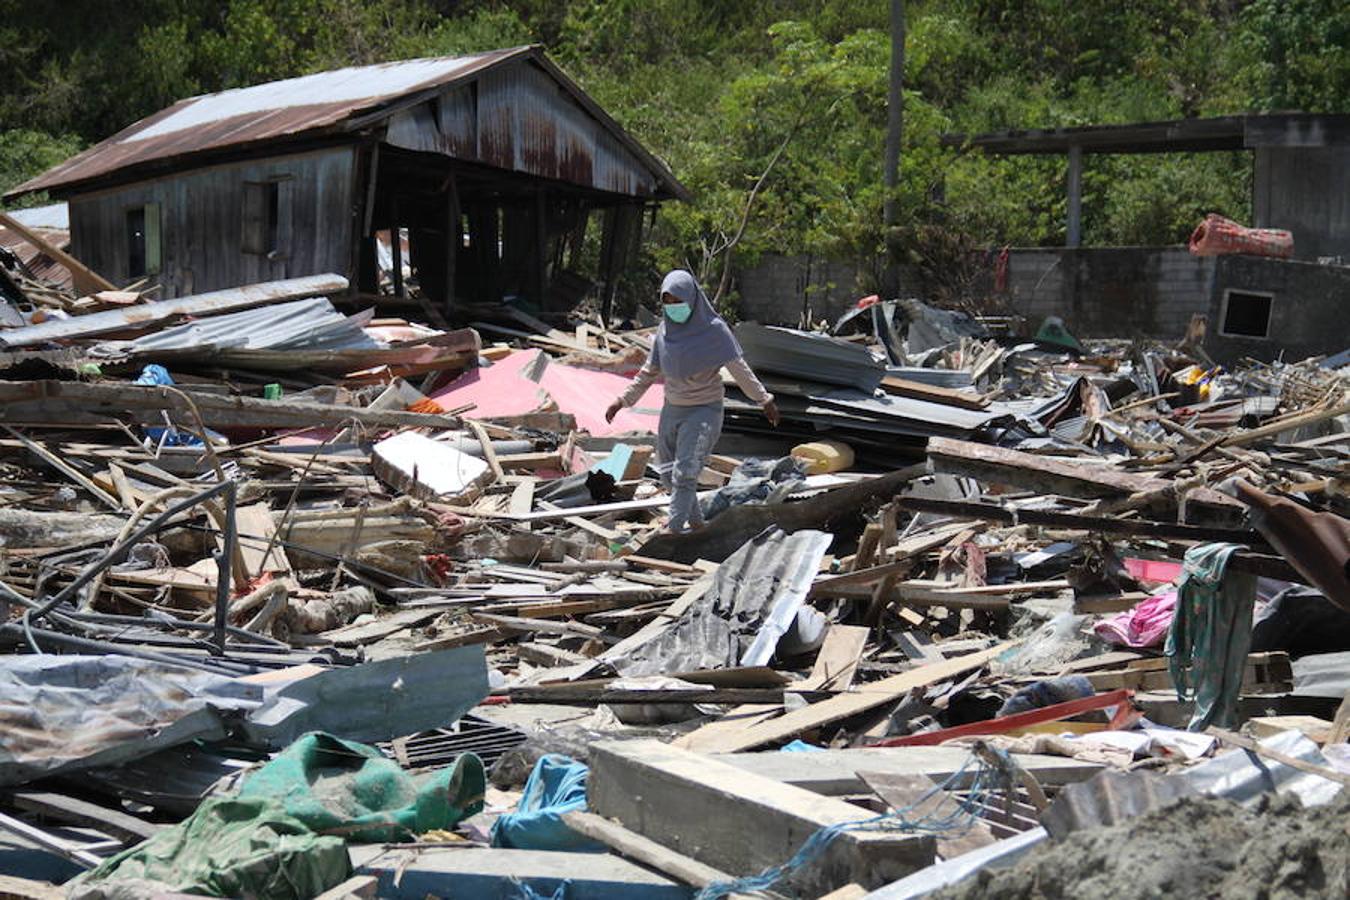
(1074,226)
(454,240)
(396,246)
(539,261)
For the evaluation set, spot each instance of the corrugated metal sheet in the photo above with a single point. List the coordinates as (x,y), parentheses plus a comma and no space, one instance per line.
(344,100)
(754,596)
(299,325)
(61,713)
(815,357)
(36,261)
(146,314)
(52,224)
(53,215)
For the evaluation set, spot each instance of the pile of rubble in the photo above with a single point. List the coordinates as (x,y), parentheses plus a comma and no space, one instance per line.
(300,603)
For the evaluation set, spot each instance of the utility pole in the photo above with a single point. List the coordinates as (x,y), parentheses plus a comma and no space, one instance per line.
(895,118)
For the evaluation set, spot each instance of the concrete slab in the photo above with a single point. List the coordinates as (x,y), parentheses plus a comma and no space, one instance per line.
(834,772)
(740,822)
(498,874)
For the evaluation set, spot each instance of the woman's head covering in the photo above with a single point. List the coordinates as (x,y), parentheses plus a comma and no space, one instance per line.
(682,349)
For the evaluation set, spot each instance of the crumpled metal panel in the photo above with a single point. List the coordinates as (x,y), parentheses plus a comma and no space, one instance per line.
(375,701)
(753,599)
(64,713)
(1243,776)
(1111,797)
(144,315)
(814,357)
(311,324)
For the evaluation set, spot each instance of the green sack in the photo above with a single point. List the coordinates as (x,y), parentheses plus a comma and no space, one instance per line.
(347,789)
(231,847)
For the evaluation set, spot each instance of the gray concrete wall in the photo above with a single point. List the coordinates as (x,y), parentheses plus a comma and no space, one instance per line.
(1119,292)
(778,289)
(1309,309)
(1305,190)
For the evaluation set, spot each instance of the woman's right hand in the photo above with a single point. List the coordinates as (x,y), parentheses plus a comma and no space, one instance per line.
(613,410)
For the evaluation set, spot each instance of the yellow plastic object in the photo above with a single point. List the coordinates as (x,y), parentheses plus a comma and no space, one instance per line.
(824,457)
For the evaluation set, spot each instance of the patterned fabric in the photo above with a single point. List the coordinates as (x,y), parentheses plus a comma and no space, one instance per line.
(1211,634)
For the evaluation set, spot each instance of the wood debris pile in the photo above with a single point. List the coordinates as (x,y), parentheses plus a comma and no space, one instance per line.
(272,510)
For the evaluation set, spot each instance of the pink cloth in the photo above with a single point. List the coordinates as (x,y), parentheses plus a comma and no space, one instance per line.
(1144,626)
(502,389)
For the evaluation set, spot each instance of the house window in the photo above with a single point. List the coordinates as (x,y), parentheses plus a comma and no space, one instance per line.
(267,217)
(1246,314)
(143,241)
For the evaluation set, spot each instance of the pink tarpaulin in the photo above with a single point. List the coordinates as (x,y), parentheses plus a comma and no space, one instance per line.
(1144,626)
(502,389)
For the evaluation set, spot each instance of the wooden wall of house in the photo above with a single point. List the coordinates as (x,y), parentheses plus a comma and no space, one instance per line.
(202,223)
(519,119)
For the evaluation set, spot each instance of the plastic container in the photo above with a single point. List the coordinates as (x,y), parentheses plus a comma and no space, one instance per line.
(824,457)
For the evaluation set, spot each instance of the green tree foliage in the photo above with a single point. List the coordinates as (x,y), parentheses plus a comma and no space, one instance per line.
(725,91)
(25,153)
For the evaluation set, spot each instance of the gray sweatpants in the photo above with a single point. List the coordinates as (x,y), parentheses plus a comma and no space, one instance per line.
(684,439)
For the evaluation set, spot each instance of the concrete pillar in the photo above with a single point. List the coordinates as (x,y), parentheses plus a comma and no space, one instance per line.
(1074,231)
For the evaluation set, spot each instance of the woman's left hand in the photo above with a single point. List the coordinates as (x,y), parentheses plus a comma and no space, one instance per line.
(771,413)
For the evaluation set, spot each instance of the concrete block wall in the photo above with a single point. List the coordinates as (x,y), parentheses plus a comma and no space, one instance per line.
(777,289)
(1121,292)
(1310,304)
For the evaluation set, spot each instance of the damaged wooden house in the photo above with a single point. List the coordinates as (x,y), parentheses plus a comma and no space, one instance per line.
(489,168)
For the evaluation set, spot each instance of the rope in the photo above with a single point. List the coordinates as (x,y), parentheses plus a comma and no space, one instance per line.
(993,771)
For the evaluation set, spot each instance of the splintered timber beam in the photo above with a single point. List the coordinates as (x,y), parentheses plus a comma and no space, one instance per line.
(68,402)
(1004,515)
(1055,476)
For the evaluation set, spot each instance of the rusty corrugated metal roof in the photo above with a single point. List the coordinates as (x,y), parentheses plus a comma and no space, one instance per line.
(37,261)
(311,106)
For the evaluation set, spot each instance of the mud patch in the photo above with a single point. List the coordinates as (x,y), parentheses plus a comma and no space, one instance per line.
(1197,847)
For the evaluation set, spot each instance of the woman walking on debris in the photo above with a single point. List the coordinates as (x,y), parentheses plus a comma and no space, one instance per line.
(691,347)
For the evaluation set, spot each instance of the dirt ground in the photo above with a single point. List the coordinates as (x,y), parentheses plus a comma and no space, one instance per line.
(1194,848)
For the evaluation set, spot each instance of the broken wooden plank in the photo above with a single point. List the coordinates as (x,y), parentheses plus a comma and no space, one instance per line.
(1270,430)
(1049,475)
(588,694)
(837,661)
(66,469)
(1103,524)
(917,390)
(72,402)
(644,850)
(835,666)
(735,821)
(256,528)
(608,535)
(84,279)
(529,626)
(861,699)
(127,828)
(548,655)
